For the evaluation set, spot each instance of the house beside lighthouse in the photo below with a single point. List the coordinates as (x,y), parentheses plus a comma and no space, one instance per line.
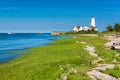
(77,28)
(86,28)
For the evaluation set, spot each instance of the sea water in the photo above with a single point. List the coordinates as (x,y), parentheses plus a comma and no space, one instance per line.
(12,45)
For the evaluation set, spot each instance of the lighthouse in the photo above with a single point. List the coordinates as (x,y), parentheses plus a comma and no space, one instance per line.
(92,27)
(93,22)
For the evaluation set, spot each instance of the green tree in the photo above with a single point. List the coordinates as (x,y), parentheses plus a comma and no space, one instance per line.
(117,27)
(109,28)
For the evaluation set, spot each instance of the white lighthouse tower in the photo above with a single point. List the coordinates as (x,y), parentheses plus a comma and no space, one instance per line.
(93,22)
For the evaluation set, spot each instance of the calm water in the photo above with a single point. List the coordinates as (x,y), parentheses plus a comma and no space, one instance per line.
(11,45)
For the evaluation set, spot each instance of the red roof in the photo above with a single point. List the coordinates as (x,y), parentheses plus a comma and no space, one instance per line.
(78,27)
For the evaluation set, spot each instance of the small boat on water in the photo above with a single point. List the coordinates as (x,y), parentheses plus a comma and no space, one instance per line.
(39,32)
(9,33)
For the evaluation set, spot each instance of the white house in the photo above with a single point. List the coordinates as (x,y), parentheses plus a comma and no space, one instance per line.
(85,28)
(77,28)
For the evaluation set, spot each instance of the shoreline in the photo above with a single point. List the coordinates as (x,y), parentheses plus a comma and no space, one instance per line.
(12,52)
(52,60)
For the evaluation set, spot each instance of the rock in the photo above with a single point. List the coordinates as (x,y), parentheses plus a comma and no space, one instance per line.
(95,75)
(99,58)
(77,41)
(73,71)
(95,62)
(114,61)
(104,67)
(115,47)
(83,42)
(114,42)
(64,76)
(74,37)
(91,51)
(118,55)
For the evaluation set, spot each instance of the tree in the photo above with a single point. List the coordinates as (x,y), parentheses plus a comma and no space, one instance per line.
(109,28)
(117,27)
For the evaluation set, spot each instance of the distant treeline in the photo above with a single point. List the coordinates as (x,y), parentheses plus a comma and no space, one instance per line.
(116,28)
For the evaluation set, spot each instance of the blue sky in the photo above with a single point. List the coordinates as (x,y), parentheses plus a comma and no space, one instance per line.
(56,15)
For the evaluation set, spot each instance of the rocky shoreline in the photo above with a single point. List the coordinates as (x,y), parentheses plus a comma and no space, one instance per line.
(114,42)
(96,73)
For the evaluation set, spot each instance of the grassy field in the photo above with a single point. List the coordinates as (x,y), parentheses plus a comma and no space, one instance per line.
(110,33)
(60,57)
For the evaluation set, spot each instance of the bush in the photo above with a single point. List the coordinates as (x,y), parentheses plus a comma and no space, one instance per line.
(82,32)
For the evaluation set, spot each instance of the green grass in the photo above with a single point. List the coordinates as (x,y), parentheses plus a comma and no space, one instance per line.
(114,72)
(43,63)
(110,33)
